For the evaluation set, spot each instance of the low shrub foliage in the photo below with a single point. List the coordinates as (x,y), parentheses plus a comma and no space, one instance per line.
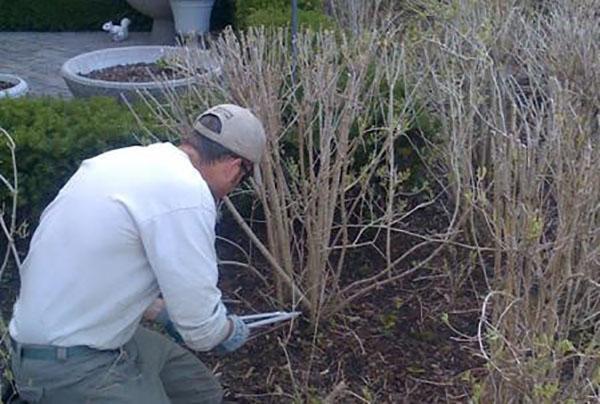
(52,137)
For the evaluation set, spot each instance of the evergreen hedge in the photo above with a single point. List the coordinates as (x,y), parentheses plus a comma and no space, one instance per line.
(278,13)
(67,15)
(89,15)
(53,136)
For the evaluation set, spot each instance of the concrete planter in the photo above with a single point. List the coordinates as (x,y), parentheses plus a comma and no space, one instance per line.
(18,89)
(163,28)
(86,87)
(192,16)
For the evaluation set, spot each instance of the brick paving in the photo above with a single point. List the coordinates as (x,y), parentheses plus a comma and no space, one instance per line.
(38,56)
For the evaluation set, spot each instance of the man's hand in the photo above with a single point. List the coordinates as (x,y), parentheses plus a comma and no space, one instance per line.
(238,335)
(154,310)
(157,312)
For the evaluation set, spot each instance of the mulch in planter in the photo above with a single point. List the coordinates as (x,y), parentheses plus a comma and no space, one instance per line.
(5,85)
(134,73)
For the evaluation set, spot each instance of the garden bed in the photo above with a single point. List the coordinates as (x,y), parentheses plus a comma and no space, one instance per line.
(391,346)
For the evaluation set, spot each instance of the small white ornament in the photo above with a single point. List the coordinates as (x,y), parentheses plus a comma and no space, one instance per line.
(117,32)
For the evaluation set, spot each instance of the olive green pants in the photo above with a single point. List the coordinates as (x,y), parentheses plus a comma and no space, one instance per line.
(149,369)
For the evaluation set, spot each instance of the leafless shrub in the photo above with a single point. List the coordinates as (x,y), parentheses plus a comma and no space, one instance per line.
(517,90)
(8,224)
(317,205)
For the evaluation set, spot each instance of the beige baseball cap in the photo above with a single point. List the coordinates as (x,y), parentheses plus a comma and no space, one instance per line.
(241,132)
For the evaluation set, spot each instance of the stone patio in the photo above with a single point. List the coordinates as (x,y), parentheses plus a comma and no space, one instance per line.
(38,56)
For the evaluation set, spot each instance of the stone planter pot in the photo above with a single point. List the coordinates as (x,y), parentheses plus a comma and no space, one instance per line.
(18,89)
(192,16)
(86,87)
(163,28)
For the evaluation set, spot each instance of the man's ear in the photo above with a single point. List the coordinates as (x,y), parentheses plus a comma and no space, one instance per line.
(236,162)
(238,168)
(240,165)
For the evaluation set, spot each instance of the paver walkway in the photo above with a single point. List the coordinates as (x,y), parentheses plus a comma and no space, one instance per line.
(38,56)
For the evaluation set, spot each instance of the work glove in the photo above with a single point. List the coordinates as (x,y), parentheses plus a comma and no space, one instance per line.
(237,338)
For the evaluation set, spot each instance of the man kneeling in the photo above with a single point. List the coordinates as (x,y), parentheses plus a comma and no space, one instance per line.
(133,233)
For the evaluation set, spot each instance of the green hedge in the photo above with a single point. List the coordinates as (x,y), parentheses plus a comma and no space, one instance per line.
(281,18)
(249,6)
(67,15)
(53,136)
(89,15)
(278,13)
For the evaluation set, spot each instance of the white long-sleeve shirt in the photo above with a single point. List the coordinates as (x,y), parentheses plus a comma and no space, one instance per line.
(130,224)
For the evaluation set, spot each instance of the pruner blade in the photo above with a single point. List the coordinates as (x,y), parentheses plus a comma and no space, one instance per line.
(258,320)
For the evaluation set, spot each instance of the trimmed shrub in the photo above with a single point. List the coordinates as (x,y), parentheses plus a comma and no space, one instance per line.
(67,15)
(277,13)
(247,7)
(52,137)
(281,17)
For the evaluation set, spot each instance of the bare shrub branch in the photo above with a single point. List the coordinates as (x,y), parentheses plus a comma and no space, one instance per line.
(518,92)
(8,224)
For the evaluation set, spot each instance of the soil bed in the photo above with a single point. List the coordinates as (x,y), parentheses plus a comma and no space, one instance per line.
(391,346)
(4,85)
(134,73)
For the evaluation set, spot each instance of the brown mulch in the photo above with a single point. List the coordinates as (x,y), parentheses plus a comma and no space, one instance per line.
(4,85)
(134,73)
(392,346)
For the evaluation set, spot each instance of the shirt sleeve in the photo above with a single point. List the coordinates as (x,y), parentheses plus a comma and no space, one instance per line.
(180,246)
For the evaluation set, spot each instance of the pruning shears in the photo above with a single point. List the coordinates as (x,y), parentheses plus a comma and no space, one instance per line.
(258,320)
